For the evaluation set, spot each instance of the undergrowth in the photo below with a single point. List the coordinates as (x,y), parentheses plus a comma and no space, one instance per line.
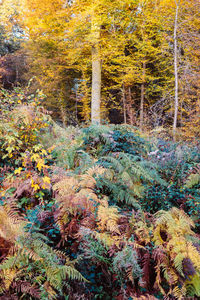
(99,212)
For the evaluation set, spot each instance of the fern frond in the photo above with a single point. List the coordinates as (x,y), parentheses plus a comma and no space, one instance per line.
(108,217)
(125,261)
(131,171)
(11,225)
(103,237)
(145,297)
(172,235)
(193,285)
(53,266)
(192,180)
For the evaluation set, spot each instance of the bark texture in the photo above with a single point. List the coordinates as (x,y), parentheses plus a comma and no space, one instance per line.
(96,74)
(142,98)
(175,70)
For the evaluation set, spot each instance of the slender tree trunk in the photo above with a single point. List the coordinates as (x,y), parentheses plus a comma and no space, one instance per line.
(76,107)
(142,98)
(63,116)
(129,94)
(96,74)
(17,75)
(130,110)
(62,109)
(124,103)
(175,70)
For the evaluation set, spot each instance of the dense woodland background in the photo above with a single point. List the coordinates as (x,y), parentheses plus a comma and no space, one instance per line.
(137,45)
(99,149)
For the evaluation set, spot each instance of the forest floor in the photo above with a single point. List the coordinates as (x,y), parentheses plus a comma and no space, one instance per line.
(97,212)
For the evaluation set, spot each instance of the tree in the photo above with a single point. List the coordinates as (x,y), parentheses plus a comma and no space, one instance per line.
(183,31)
(12,57)
(177,2)
(80,31)
(148,51)
(94,56)
(96,69)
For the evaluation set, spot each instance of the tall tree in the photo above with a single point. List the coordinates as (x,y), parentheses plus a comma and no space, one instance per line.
(148,50)
(84,32)
(177,2)
(93,56)
(96,68)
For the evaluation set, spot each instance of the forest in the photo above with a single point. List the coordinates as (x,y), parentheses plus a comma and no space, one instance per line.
(99,149)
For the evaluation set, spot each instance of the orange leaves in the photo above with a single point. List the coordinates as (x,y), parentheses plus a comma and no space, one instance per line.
(77,193)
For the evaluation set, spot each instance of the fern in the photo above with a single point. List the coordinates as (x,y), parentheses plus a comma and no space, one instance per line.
(132,173)
(116,190)
(108,217)
(32,254)
(105,238)
(173,234)
(94,248)
(11,225)
(37,255)
(125,261)
(192,180)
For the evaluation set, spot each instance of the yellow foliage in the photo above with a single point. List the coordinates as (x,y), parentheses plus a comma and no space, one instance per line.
(141,230)
(108,217)
(77,192)
(171,234)
(9,276)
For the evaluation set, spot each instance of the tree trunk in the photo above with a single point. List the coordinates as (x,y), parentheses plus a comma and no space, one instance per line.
(96,74)
(63,116)
(175,70)
(76,107)
(124,103)
(129,107)
(142,98)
